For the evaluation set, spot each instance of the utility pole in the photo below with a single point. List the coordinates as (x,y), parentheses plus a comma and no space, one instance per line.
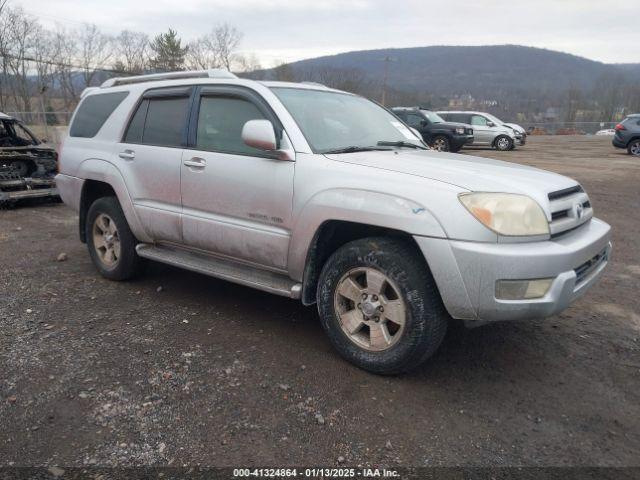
(44,112)
(385,79)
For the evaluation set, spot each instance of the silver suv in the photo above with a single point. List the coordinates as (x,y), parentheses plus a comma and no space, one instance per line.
(326,197)
(487,129)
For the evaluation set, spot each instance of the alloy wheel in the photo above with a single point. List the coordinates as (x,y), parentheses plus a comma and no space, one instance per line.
(370,309)
(106,240)
(635,149)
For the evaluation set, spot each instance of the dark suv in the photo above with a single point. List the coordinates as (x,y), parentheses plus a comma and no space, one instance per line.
(436,132)
(628,134)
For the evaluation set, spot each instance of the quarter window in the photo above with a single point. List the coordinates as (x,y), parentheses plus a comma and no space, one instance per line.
(220,122)
(93,112)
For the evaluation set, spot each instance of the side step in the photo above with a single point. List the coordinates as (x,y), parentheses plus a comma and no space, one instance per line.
(224,269)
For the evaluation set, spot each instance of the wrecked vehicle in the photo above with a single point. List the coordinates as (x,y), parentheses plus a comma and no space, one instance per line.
(27,166)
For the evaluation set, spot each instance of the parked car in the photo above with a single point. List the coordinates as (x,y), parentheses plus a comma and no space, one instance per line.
(27,166)
(628,134)
(437,133)
(486,130)
(606,132)
(323,196)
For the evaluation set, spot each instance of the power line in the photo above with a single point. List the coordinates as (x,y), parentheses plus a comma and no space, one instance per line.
(61,64)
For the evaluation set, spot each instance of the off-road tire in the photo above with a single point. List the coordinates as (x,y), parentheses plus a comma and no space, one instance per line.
(634,148)
(500,144)
(425,319)
(441,143)
(128,264)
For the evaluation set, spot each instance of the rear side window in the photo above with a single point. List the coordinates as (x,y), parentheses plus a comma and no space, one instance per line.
(93,112)
(220,123)
(414,120)
(158,121)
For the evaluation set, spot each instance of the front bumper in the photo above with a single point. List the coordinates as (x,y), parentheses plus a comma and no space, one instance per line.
(19,189)
(458,141)
(466,272)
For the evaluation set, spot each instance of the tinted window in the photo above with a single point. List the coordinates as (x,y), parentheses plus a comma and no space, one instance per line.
(461,118)
(220,123)
(165,121)
(136,127)
(478,120)
(414,120)
(93,112)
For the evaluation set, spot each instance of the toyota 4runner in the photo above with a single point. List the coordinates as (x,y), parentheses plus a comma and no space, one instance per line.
(326,197)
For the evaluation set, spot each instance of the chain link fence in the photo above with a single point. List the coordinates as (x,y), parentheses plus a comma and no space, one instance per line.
(57,123)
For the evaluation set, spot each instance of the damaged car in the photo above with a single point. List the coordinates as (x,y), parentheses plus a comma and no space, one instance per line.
(27,165)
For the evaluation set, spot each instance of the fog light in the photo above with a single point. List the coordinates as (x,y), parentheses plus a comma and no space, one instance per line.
(522,289)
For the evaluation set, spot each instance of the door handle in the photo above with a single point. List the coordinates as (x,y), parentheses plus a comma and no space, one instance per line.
(127,155)
(196,162)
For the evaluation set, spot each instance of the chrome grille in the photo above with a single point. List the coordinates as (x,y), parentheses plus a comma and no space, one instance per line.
(570,208)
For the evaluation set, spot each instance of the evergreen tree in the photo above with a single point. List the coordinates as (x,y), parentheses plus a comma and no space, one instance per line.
(168,54)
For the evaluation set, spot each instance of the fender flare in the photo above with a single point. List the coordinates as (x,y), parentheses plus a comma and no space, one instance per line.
(104,171)
(356,206)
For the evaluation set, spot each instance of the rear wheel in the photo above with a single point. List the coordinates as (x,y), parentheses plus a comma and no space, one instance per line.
(380,306)
(503,143)
(441,144)
(634,148)
(111,243)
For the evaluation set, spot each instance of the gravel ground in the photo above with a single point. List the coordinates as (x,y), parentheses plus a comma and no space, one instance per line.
(176,368)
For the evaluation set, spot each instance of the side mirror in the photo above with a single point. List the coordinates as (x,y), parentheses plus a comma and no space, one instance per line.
(423,123)
(260,134)
(491,124)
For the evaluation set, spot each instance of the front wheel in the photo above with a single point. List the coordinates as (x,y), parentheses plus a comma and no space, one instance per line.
(503,143)
(634,148)
(379,305)
(112,245)
(441,144)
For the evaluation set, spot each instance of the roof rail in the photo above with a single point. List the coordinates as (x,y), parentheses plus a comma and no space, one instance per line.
(213,73)
(315,84)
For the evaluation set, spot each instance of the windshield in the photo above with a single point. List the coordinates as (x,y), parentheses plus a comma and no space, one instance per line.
(433,117)
(13,134)
(495,120)
(332,121)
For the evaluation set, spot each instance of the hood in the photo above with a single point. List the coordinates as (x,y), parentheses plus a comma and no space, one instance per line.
(467,172)
(515,127)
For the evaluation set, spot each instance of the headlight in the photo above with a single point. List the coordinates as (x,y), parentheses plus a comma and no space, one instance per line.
(507,213)
(460,130)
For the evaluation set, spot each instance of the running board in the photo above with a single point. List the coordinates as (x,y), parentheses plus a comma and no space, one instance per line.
(224,269)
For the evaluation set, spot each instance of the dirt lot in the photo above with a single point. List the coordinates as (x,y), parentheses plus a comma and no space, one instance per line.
(177,368)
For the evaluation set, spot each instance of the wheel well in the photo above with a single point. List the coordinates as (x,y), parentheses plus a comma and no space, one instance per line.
(332,235)
(91,191)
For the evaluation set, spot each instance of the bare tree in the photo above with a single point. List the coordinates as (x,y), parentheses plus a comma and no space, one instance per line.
(95,49)
(227,41)
(66,73)
(132,52)
(217,49)
(202,53)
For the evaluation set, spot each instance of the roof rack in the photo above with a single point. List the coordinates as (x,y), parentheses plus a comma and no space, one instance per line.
(213,73)
(315,84)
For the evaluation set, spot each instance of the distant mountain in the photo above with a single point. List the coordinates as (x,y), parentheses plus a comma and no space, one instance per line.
(483,72)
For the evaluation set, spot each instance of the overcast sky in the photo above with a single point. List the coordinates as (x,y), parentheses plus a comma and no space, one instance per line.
(287,30)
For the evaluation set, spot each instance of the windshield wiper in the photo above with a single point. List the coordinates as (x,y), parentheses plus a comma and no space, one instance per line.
(401,144)
(352,149)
